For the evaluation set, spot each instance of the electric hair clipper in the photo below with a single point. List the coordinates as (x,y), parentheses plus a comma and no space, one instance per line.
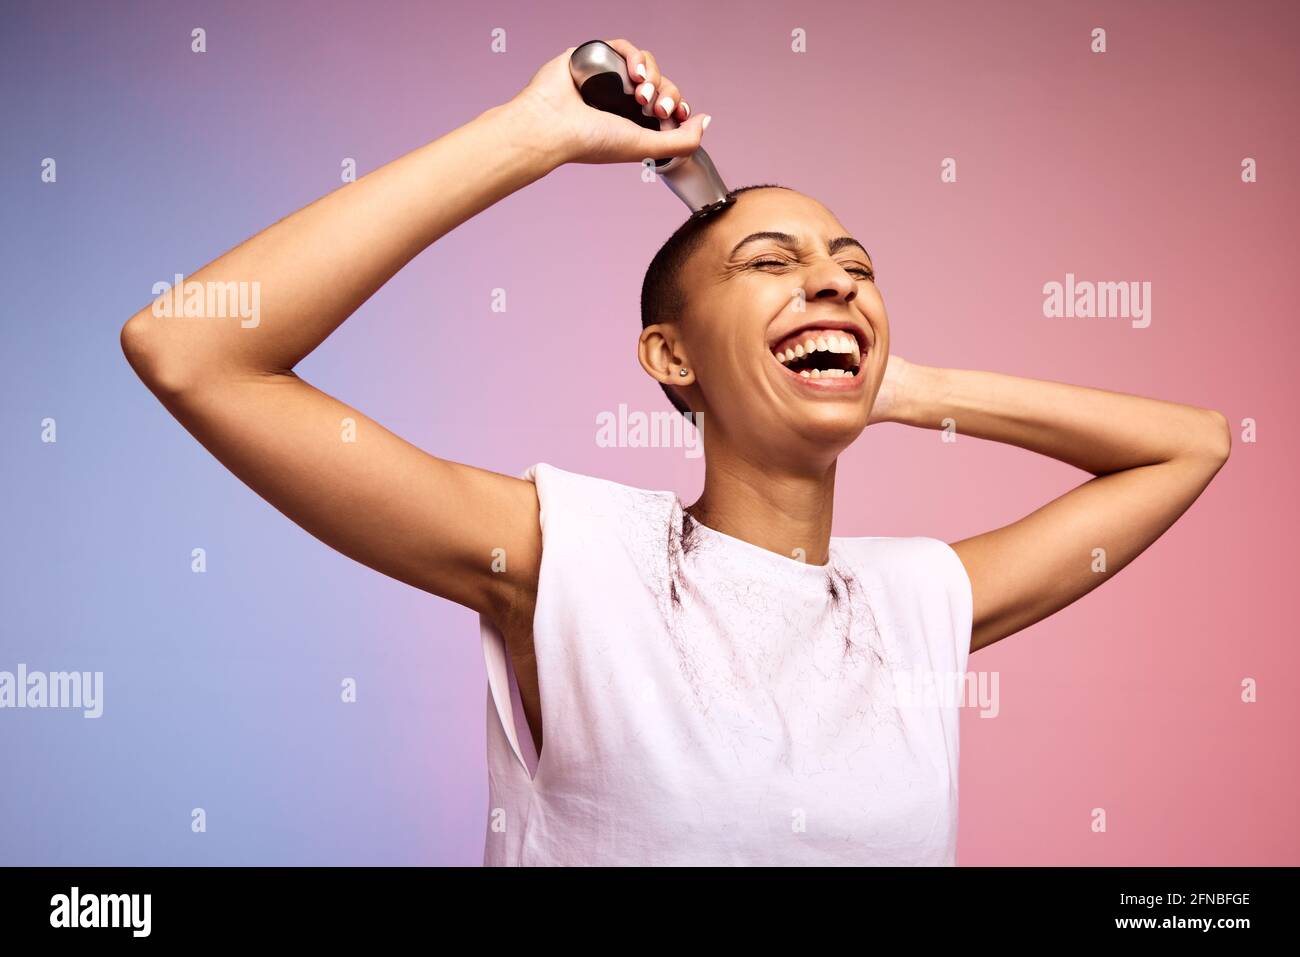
(600,75)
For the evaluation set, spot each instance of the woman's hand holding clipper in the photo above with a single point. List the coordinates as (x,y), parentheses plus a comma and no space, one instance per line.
(564,129)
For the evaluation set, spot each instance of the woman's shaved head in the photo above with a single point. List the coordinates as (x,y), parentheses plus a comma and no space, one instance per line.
(765,316)
(663,297)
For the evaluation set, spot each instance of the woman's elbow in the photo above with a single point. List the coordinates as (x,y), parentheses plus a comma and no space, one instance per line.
(154,361)
(1217,441)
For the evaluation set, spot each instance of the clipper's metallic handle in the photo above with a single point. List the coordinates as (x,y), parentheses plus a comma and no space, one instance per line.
(600,75)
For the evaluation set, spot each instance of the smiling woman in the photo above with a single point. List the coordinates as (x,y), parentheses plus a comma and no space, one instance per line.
(815,353)
(670,683)
(773,284)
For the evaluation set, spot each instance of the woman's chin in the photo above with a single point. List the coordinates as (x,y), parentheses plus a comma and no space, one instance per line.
(824,430)
(837,427)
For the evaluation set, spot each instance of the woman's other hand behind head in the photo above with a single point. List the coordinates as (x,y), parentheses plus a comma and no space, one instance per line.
(890,399)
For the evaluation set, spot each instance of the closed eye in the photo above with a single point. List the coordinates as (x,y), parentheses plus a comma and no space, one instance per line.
(862,271)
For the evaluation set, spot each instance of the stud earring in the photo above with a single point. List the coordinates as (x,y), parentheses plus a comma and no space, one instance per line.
(682,372)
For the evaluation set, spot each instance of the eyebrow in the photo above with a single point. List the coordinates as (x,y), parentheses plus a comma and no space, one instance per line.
(834,246)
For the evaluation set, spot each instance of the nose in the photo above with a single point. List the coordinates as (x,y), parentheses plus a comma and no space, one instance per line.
(830,281)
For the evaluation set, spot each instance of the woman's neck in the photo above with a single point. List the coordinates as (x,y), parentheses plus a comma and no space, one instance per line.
(785,512)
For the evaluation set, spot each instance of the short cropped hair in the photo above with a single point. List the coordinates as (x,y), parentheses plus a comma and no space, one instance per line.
(662,297)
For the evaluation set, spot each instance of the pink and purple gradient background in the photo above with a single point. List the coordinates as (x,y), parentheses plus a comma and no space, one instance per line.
(222,690)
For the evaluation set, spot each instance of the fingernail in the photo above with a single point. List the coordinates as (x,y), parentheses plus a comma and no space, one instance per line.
(646,90)
(706,120)
(668,104)
(640,70)
(686,108)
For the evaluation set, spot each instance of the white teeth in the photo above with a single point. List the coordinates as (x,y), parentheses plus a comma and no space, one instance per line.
(824,342)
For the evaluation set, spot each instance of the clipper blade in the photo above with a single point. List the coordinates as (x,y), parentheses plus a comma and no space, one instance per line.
(712,208)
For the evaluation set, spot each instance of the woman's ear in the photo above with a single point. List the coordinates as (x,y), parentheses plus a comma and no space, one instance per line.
(663,355)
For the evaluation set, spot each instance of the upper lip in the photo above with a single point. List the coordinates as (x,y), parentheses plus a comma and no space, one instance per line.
(844,325)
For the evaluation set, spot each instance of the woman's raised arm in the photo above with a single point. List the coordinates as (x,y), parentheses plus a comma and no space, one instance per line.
(423,520)
(1150,460)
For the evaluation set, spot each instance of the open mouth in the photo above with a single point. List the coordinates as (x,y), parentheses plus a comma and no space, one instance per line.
(820,354)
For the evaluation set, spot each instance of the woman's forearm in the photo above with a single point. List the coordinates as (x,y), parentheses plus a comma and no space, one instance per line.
(314,268)
(1099,431)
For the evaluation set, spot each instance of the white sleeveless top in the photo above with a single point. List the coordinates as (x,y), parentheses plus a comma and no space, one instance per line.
(708,702)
